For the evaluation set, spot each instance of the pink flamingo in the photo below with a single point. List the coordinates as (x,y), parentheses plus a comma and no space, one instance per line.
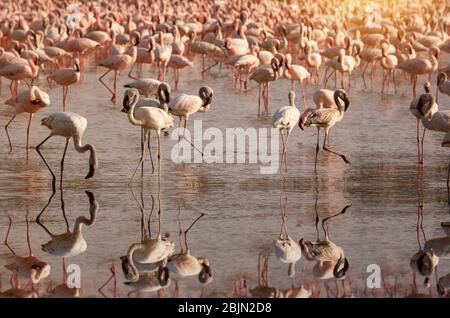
(30,102)
(66,77)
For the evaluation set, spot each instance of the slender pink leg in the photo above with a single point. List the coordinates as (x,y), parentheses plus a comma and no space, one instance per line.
(104,84)
(422,144)
(7,134)
(28,130)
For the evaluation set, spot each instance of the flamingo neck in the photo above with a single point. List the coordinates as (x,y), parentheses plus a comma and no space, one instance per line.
(83,148)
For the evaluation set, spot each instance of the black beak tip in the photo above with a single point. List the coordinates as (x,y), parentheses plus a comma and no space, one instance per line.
(91,172)
(124,110)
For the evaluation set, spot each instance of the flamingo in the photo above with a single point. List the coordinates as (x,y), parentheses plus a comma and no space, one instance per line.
(68,125)
(20,71)
(296,73)
(147,87)
(326,118)
(418,66)
(389,63)
(186,105)
(66,77)
(286,118)
(143,55)
(413,109)
(30,102)
(70,243)
(145,257)
(117,63)
(30,266)
(263,75)
(149,118)
(325,251)
(162,57)
(323,98)
(184,264)
(313,60)
(443,85)
(178,62)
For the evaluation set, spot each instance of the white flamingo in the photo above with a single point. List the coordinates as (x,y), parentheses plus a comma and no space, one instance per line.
(149,118)
(285,119)
(68,125)
(186,105)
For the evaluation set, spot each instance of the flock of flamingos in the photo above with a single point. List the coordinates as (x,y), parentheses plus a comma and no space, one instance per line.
(316,43)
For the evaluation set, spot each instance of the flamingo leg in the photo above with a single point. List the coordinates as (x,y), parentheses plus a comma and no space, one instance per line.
(28,131)
(113,98)
(184,131)
(49,169)
(137,167)
(112,277)
(363,74)
(317,148)
(259,99)
(393,78)
(28,234)
(303,94)
(104,84)
(62,162)
(130,75)
(187,230)
(285,150)
(7,134)
(150,153)
(282,150)
(159,154)
(418,140)
(203,67)
(7,235)
(324,147)
(422,144)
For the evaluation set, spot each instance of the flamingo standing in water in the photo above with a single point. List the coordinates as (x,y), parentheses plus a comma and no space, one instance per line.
(323,98)
(296,73)
(117,63)
(27,102)
(185,105)
(66,77)
(149,118)
(419,66)
(178,62)
(263,75)
(162,57)
(326,118)
(286,118)
(413,109)
(68,125)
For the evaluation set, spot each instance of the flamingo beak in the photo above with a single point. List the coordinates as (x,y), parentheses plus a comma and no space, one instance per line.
(91,171)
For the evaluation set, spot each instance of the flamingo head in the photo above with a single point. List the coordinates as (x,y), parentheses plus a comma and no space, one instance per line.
(206,94)
(39,271)
(38,97)
(130,99)
(205,276)
(163,276)
(442,77)
(425,104)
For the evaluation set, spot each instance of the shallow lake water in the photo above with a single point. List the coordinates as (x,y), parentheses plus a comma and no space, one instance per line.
(242,206)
